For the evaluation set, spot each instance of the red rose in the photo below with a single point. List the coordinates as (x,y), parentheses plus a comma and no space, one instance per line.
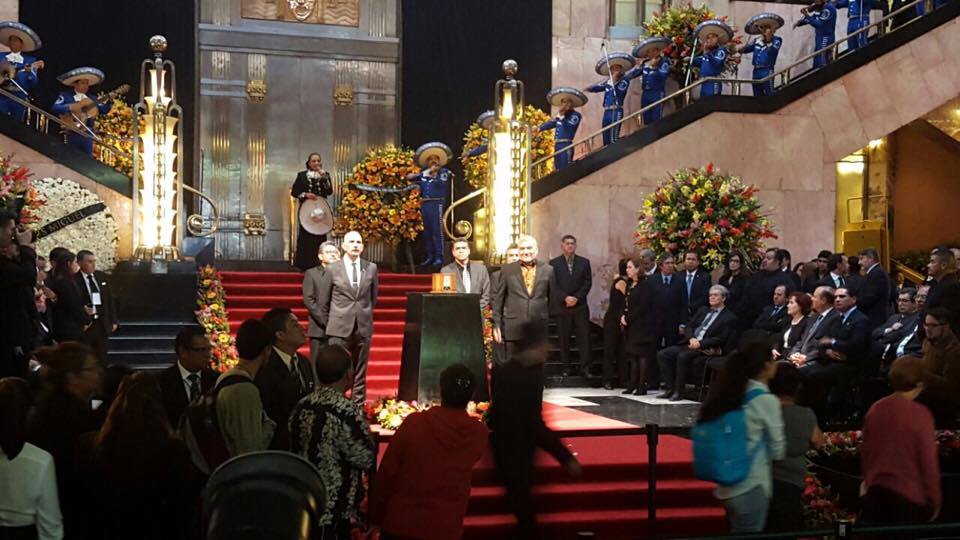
(708,212)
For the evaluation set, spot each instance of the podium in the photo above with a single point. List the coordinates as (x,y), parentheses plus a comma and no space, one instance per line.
(441,329)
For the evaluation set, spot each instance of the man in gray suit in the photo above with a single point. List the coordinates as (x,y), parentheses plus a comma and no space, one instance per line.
(469,276)
(347,295)
(826,323)
(522,295)
(329,254)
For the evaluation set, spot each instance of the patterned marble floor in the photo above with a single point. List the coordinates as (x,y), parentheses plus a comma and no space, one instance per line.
(636,410)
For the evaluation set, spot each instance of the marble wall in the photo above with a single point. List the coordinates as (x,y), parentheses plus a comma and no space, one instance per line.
(42,167)
(792,156)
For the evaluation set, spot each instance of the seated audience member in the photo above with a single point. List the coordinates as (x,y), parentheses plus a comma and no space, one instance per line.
(190,376)
(941,360)
(70,375)
(798,311)
(29,507)
(826,322)
(243,423)
(137,470)
(899,458)
(901,326)
(286,376)
(773,319)
(749,370)
(329,431)
(820,273)
(761,287)
(802,434)
(423,483)
(922,292)
(711,330)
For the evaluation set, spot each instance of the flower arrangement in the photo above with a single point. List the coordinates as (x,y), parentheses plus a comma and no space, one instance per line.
(475,168)
(390,412)
(390,216)
(488,335)
(17,192)
(58,198)
(678,23)
(840,443)
(118,124)
(212,316)
(821,508)
(705,210)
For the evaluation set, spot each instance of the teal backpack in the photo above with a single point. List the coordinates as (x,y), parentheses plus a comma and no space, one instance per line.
(721,452)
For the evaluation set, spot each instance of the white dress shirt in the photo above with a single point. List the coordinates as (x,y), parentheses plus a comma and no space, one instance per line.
(348,264)
(28,492)
(464,271)
(86,283)
(185,378)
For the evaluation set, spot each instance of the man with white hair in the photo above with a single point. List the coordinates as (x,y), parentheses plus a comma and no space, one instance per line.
(711,329)
(347,295)
(522,295)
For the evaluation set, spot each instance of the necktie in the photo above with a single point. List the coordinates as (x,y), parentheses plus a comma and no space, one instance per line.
(355,278)
(194,380)
(689,285)
(666,280)
(295,371)
(813,329)
(775,313)
(465,278)
(705,325)
(570,265)
(93,284)
(840,283)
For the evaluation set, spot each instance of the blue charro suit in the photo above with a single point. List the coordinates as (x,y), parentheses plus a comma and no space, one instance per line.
(858,16)
(613,97)
(654,84)
(27,79)
(711,65)
(764,60)
(825,25)
(433,193)
(62,106)
(566,127)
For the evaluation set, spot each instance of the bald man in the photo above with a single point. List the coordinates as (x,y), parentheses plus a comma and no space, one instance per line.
(346,296)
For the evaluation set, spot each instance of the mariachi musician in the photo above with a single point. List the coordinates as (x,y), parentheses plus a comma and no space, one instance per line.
(80,107)
(764,49)
(566,122)
(713,34)
(19,69)
(485,121)
(822,16)
(654,74)
(620,70)
(311,188)
(434,182)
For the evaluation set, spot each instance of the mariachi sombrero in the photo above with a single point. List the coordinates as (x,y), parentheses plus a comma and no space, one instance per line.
(93,74)
(714,27)
(653,44)
(31,41)
(430,149)
(558,94)
(756,23)
(486,119)
(621,59)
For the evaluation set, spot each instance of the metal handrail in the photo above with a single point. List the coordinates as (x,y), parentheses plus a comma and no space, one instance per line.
(784,74)
(48,117)
(908,272)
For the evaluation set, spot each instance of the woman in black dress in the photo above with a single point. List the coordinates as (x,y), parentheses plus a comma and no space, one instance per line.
(312,183)
(612,331)
(641,334)
(798,307)
(734,278)
(69,317)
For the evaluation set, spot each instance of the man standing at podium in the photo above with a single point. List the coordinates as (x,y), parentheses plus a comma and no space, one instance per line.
(523,295)
(469,276)
(348,294)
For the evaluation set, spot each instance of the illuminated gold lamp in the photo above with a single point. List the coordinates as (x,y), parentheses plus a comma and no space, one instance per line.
(508,186)
(157,163)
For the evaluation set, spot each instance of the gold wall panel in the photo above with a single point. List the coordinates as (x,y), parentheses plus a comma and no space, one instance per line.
(335,12)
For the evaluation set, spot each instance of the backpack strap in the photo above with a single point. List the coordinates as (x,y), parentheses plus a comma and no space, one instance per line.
(229,381)
(747,398)
(756,392)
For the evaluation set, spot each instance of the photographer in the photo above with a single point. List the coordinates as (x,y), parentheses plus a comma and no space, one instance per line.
(18,275)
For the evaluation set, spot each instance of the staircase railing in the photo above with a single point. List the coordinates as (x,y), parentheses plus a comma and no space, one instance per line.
(785,75)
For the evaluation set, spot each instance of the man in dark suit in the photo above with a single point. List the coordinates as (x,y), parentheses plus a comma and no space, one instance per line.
(886,338)
(760,289)
(873,295)
(97,293)
(773,319)
(666,300)
(787,269)
(568,303)
(945,285)
(329,254)
(522,296)
(713,327)
(825,323)
(191,375)
(286,376)
(844,353)
(836,276)
(813,280)
(511,256)
(468,276)
(348,294)
(695,285)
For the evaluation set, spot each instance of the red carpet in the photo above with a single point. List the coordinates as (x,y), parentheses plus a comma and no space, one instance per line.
(251,294)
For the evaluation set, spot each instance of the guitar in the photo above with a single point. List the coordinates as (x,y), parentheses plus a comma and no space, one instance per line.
(88,108)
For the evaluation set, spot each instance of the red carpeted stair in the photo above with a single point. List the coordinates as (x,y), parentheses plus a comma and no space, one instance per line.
(251,294)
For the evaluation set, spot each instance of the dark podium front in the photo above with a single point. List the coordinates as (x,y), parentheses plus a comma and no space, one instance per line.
(441,329)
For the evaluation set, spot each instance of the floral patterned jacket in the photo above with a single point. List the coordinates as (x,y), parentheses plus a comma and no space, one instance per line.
(329,431)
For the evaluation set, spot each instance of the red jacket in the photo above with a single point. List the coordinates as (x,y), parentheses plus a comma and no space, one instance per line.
(423,483)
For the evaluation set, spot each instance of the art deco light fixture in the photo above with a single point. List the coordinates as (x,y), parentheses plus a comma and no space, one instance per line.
(157,160)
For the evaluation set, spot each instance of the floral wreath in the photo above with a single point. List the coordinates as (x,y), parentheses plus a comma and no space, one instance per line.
(212,316)
(702,209)
(382,210)
(678,23)
(17,192)
(96,232)
(118,124)
(475,168)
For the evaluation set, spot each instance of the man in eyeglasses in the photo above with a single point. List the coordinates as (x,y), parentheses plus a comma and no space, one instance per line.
(941,358)
(191,375)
